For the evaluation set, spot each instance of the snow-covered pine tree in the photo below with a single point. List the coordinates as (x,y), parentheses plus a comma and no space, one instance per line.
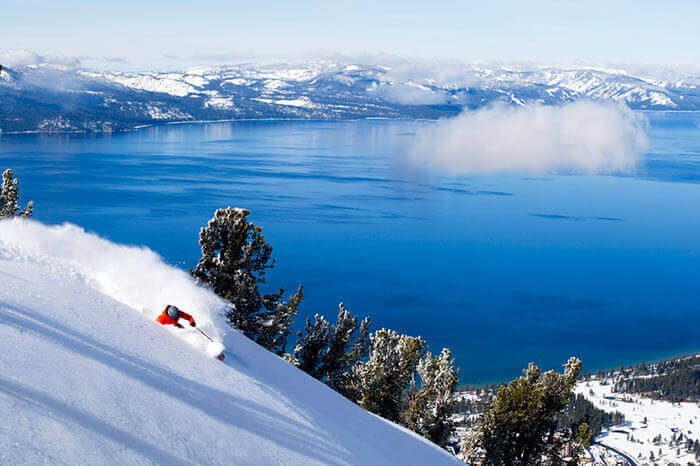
(311,346)
(380,381)
(9,197)
(329,352)
(339,342)
(360,349)
(275,325)
(343,351)
(358,353)
(235,258)
(428,411)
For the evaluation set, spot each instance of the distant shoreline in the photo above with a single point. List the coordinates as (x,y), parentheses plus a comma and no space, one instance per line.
(590,372)
(234,120)
(202,122)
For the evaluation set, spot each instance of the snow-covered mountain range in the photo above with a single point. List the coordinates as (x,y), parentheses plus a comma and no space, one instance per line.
(87,377)
(50,97)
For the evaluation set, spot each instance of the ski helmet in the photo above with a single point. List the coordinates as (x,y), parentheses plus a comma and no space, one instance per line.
(172,311)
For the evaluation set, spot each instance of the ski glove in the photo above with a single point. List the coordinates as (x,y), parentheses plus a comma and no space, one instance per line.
(192,324)
(179,326)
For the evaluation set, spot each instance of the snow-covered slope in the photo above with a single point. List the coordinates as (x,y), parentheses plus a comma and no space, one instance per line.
(48,97)
(87,377)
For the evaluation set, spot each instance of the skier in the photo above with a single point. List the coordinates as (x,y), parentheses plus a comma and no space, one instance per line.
(172,314)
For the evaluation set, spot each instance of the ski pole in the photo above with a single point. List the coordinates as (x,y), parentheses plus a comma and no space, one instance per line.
(221,356)
(208,337)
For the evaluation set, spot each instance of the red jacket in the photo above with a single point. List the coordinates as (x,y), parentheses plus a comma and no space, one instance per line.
(165,319)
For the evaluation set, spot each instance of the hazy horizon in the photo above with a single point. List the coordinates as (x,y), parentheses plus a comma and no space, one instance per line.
(23,57)
(161,34)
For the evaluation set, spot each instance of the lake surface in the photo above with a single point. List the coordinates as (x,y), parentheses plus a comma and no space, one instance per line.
(503,269)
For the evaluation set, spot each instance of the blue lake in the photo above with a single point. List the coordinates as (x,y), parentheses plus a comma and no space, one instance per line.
(503,269)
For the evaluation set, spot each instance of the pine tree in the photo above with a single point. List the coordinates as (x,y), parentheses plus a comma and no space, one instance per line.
(235,258)
(581,439)
(360,350)
(340,357)
(9,197)
(350,383)
(429,409)
(381,380)
(329,353)
(519,425)
(310,346)
(273,333)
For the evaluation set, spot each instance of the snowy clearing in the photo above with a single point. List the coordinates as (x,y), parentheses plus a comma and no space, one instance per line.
(636,437)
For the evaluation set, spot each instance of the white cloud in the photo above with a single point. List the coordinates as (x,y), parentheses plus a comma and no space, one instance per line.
(116,60)
(25,57)
(581,137)
(410,95)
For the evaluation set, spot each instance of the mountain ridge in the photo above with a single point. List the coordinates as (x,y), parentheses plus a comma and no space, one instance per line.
(59,98)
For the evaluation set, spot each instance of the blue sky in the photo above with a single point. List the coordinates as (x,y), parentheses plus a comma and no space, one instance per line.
(159,32)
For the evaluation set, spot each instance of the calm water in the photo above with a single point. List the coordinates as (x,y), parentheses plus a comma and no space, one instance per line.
(503,269)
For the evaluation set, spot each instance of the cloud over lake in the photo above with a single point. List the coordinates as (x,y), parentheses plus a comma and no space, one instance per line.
(580,137)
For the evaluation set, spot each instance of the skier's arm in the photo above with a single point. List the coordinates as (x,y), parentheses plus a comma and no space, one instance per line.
(186,316)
